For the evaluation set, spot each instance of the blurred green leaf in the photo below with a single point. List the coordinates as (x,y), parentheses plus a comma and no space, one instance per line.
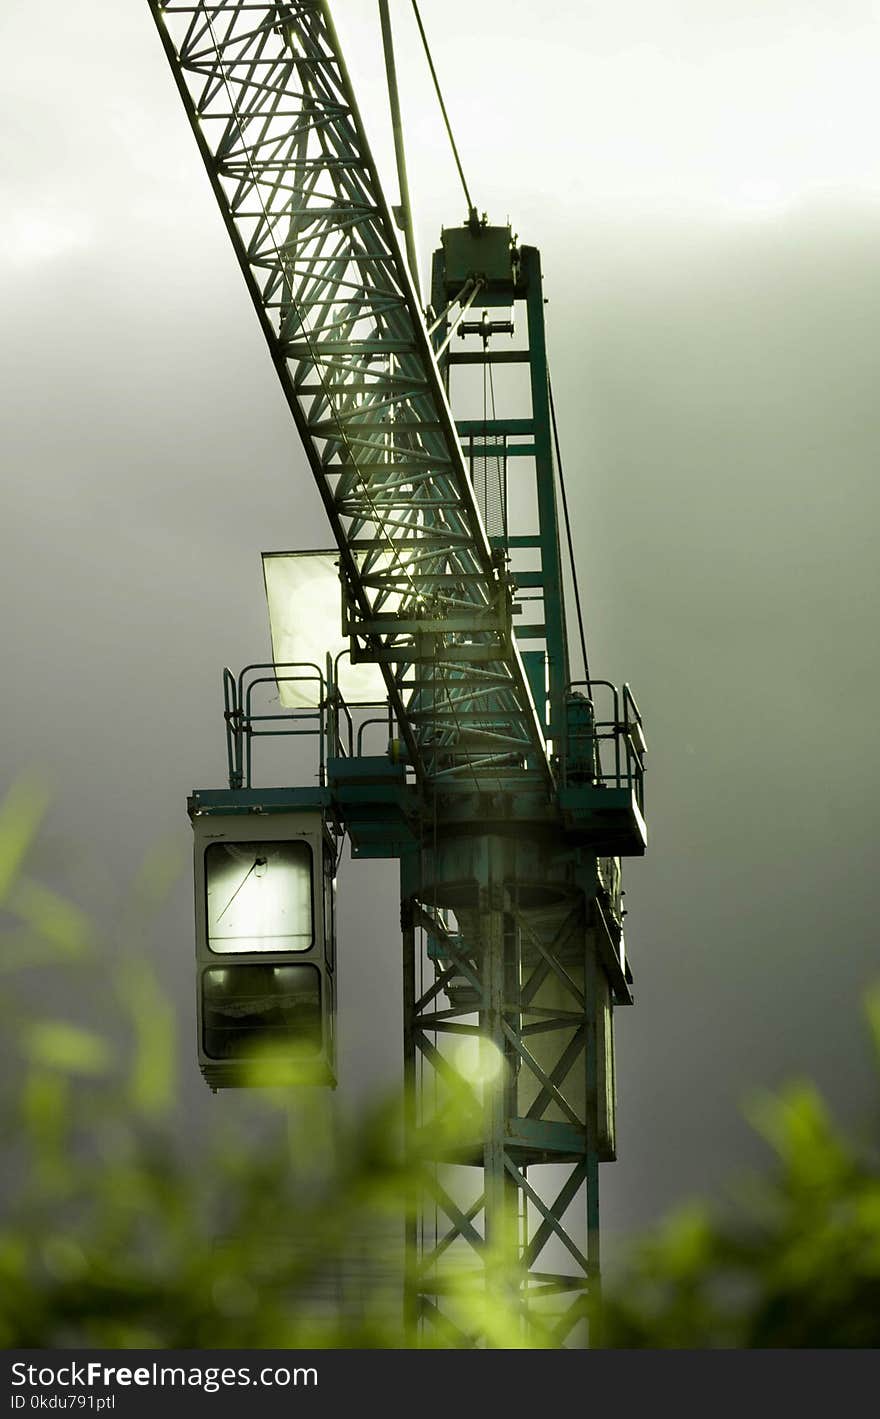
(56,1044)
(21,813)
(797,1125)
(682,1247)
(52,917)
(154,1028)
(872,1013)
(163,865)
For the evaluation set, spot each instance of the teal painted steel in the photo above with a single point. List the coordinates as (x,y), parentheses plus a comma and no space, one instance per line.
(482,252)
(273,113)
(559,673)
(511,910)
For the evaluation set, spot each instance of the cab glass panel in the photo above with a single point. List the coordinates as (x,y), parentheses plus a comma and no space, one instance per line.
(253,1010)
(259,896)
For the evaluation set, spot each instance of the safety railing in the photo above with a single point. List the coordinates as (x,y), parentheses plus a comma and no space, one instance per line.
(244,724)
(324,715)
(607,751)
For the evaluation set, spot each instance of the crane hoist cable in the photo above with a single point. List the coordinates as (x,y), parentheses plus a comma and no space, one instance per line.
(472,211)
(571,560)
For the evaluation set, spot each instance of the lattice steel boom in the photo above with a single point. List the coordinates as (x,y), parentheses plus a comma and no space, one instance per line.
(272,109)
(513,798)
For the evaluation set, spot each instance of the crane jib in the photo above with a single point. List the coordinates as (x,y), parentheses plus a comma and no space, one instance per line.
(270,103)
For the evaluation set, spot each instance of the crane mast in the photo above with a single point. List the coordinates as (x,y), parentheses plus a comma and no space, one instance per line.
(506,796)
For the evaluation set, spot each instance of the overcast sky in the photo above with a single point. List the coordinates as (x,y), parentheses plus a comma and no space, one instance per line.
(702,178)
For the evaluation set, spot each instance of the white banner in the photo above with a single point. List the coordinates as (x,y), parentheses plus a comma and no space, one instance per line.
(304,596)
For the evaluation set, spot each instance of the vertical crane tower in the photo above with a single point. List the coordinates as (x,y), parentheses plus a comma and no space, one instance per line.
(508,791)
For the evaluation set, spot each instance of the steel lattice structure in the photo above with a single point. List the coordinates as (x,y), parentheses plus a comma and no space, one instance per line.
(272,109)
(509,828)
(533,967)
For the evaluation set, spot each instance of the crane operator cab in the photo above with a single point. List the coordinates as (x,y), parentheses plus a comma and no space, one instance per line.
(265,948)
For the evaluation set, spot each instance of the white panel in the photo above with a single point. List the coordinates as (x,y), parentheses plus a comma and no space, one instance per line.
(305,620)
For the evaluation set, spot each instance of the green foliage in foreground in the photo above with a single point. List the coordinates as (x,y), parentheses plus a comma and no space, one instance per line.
(795,1264)
(111,1227)
(118,1231)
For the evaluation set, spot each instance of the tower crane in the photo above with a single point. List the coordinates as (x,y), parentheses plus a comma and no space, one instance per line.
(507,789)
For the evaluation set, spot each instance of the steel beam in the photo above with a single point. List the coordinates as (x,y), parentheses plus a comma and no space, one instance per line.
(273,113)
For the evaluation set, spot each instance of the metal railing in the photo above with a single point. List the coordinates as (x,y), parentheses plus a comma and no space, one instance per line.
(616,745)
(243,724)
(606,751)
(325,715)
